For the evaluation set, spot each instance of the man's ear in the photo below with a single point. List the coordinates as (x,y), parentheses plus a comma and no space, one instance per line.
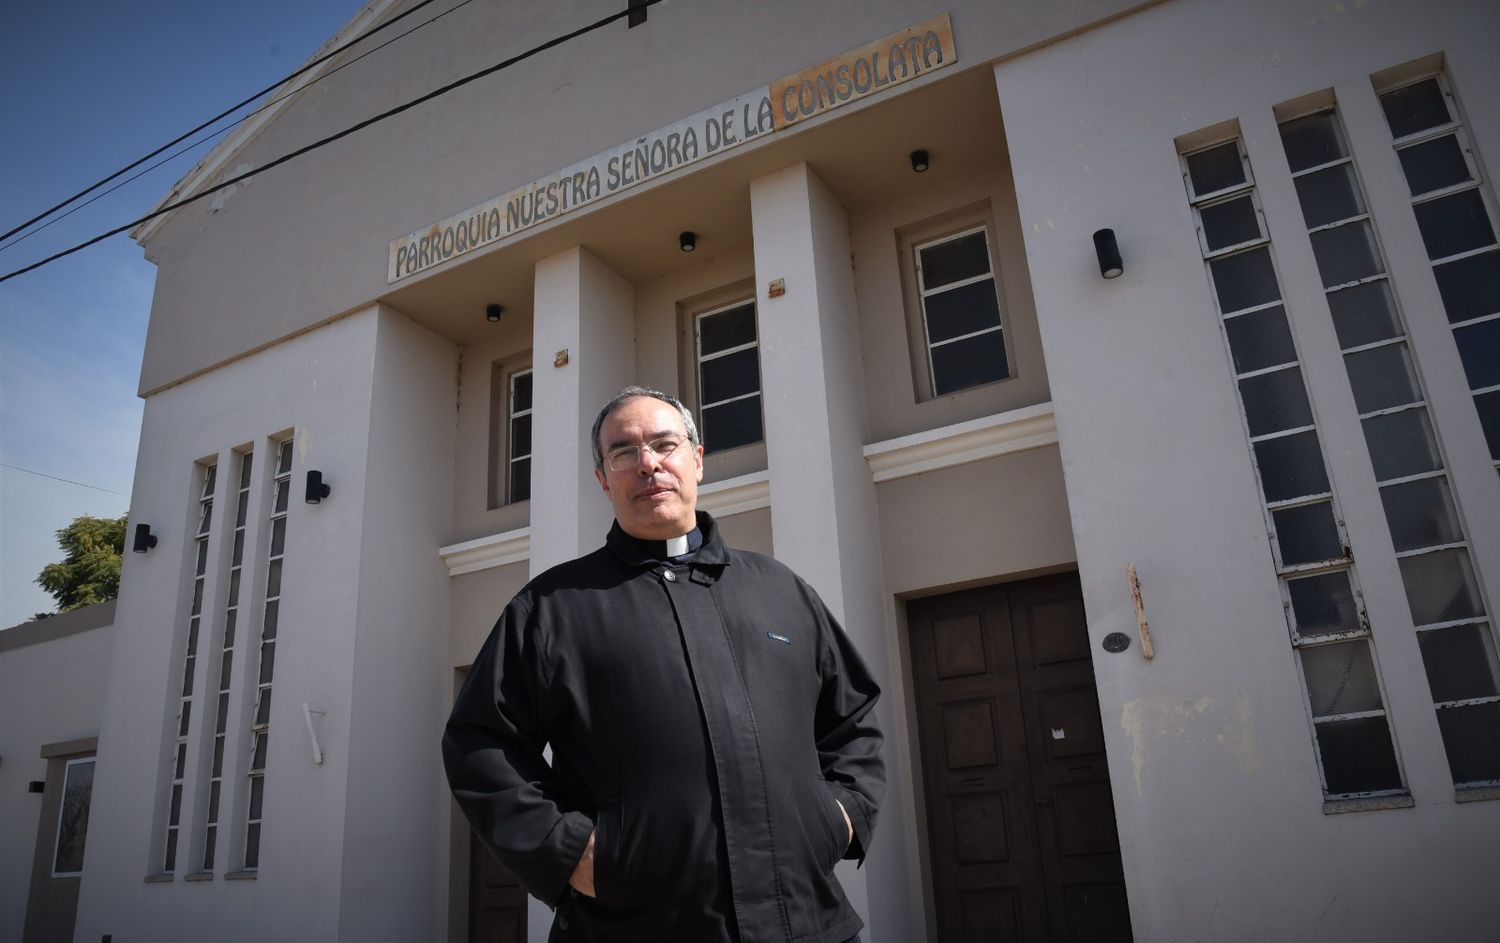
(698,459)
(604,482)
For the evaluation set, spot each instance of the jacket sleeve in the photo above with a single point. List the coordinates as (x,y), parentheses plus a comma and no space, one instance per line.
(848,740)
(492,751)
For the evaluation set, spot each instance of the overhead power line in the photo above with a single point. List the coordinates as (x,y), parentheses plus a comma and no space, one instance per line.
(503,64)
(233,124)
(66,481)
(223,114)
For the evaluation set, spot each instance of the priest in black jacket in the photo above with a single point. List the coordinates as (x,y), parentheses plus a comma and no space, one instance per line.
(714,748)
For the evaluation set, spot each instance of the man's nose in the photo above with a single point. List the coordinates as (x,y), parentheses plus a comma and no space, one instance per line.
(650,462)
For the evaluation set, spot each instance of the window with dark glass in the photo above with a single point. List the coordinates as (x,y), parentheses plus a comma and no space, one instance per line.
(729,409)
(961,321)
(73,818)
(518,437)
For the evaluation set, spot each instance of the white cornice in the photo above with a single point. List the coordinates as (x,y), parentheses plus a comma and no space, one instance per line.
(736,495)
(217,159)
(1027,428)
(512,546)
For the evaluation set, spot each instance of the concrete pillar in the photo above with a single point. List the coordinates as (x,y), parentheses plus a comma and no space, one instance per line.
(823,508)
(587,310)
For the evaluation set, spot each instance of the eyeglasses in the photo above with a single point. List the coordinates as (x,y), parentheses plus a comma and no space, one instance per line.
(628,457)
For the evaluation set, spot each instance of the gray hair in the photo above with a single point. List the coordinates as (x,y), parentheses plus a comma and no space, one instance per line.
(631,392)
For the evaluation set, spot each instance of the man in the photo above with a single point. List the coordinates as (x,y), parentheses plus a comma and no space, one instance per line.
(714,750)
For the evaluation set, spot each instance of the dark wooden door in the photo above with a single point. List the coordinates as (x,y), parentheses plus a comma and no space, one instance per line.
(1019,812)
(497,904)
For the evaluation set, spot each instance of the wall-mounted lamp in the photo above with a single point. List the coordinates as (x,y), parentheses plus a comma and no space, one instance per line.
(919,161)
(687,240)
(1108,251)
(317,490)
(144,539)
(37,786)
(492,312)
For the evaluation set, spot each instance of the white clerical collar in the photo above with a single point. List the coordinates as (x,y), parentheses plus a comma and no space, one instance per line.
(677,546)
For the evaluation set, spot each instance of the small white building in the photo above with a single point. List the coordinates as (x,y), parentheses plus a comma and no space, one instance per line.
(918,390)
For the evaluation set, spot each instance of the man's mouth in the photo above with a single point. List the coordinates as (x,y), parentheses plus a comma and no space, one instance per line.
(655,491)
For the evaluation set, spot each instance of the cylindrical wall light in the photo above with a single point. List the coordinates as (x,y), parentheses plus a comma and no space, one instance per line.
(1108,251)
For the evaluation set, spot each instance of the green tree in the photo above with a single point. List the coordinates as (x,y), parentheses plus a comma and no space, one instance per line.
(90,570)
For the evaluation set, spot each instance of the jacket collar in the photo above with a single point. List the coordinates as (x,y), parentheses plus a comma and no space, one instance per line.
(632,551)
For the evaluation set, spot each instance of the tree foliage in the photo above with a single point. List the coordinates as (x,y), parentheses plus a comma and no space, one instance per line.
(90,570)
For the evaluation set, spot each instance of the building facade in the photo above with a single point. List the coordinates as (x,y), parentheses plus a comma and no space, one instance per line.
(1179,583)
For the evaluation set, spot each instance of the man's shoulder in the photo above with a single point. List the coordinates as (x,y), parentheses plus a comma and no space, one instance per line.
(750,563)
(589,571)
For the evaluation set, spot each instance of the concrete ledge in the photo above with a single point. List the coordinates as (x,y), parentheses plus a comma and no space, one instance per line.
(1477,794)
(1371,804)
(736,495)
(1029,427)
(239,875)
(54,627)
(160,878)
(70,747)
(198,876)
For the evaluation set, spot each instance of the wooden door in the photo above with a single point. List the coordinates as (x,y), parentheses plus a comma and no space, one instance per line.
(1019,812)
(497,904)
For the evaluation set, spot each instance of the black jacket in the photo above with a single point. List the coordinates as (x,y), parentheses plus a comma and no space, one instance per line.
(703,717)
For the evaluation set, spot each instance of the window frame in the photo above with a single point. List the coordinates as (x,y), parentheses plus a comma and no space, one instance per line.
(62,807)
(911,240)
(696,318)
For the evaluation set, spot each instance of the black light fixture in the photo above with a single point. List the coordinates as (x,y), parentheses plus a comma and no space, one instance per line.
(36,786)
(1108,251)
(317,490)
(687,240)
(144,539)
(492,312)
(919,161)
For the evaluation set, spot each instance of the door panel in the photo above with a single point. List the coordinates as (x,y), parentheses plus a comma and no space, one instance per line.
(497,904)
(1020,815)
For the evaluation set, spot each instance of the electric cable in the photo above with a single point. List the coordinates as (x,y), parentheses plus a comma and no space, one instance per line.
(219,133)
(360,126)
(223,114)
(67,481)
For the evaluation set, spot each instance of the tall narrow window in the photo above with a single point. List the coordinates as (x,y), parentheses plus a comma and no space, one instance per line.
(960,312)
(73,818)
(729,376)
(260,723)
(226,664)
(518,437)
(177,761)
(1455,216)
(1332,641)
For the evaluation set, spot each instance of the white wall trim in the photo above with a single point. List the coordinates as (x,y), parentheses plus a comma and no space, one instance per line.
(1029,427)
(736,495)
(471,556)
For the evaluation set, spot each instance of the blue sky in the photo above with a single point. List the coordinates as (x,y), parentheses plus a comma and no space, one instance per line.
(89,86)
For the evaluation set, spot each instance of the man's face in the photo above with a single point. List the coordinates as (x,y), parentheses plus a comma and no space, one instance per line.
(654,500)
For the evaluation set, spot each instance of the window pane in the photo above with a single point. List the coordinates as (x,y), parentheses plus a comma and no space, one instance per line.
(252,846)
(1401,444)
(954,260)
(257,796)
(1440,586)
(1479,346)
(221,721)
(170,861)
(1364,314)
(1421,514)
(207,509)
(218,766)
(213,801)
(278,537)
(1346,253)
(184,718)
(1260,339)
(1230,223)
(197,596)
(520,481)
(225,665)
(520,392)
(1340,678)
(1358,756)
(273,607)
(1275,401)
(273,579)
(961,311)
(210,475)
(1323,604)
(969,362)
(230,618)
(1291,467)
(1471,735)
(241,509)
(187,677)
(1460,662)
(267,661)
(1454,223)
(1216,168)
(1415,108)
(201,566)
(73,824)
(283,488)
(1433,165)
(245,466)
(1471,286)
(732,424)
(1307,534)
(1488,405)
(1312,140)
(208,846)
(1329,195)
(520,436)
(263,707)
(1382,377)
(731,375)
(239,548)
(174,810)
(726,329)
(258,757)
(1244,280)
(192,645)
(234,586)
(284,457)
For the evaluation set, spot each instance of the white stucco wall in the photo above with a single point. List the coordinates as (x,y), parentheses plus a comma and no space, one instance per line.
(1216,788)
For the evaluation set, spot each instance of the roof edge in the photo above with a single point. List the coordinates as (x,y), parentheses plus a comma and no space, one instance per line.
(225,151)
